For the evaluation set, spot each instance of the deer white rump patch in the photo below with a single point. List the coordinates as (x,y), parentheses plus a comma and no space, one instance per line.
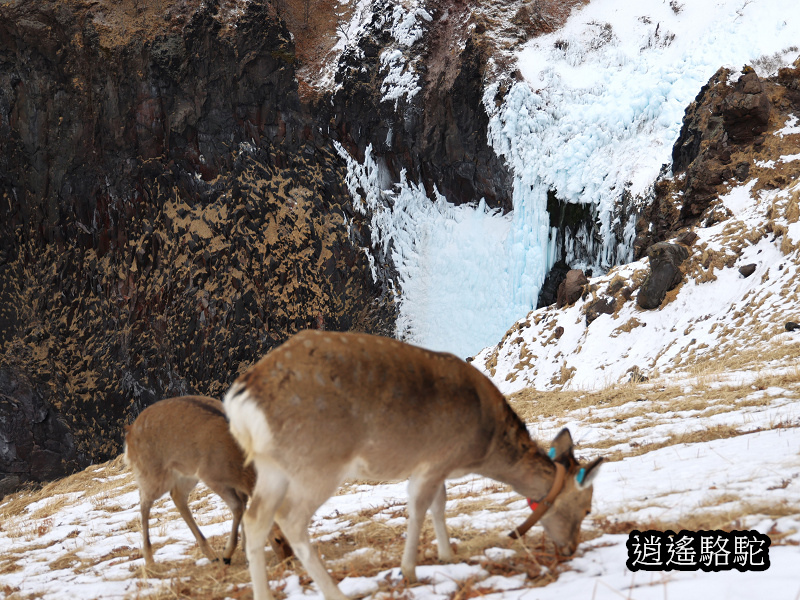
(248,424)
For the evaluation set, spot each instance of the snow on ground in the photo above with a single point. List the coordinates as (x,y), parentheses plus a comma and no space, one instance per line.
(599,108)
(88,547)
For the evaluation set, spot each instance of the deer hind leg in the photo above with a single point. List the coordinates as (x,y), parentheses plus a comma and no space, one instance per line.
(244,498)
(147,550)
(294,517)
(439,526)
(269,493)
(236,502)
(421,493)
(180,494)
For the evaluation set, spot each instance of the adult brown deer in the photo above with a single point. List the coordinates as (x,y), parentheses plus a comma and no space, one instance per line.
(176,442)
(324,407)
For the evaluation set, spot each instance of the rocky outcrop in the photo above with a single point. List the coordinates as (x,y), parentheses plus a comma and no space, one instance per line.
(439,134)
(601,306)
(35,444)
(745,111)
(722,116)
(721,138)
(552,283)
(665,273)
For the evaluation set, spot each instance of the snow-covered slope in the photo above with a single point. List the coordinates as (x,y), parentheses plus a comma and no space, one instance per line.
(80,538)
(715,318)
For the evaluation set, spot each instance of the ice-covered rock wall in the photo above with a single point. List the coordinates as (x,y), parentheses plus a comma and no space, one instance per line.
(591,120)
(453,262)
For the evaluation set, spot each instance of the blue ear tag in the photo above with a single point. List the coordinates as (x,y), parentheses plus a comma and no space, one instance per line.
(581,475)
(552,453)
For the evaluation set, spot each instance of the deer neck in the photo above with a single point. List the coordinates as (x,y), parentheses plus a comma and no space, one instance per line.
(531,475)
(514,458)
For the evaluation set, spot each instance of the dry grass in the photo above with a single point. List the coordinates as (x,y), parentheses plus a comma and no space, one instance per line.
(710,394)
(736,358)
(532,405)
(717,432)
(91,481)
(215,581)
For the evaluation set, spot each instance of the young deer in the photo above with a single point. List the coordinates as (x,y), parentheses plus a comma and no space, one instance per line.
(176,442)
(324,407)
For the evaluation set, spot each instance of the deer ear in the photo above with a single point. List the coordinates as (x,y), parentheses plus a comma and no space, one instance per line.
(585,476)
(561,445)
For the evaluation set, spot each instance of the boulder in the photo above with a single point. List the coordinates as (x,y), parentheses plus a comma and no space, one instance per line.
(687,238)
(549,293)
(665,274)
(747,270)
(571,288)
(745,111)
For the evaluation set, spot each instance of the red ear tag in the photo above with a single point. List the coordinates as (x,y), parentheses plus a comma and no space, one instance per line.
(532,504)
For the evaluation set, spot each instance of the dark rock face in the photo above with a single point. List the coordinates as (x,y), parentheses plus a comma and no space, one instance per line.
(745,111)
(665,273)
(722,115)
(789,78)
(35,444)
(549,292)
(571,288)
(167,215)
(170,209)
(439,136)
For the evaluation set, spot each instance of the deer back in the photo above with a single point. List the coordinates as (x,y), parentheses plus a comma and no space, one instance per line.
(376,403)
(188,435)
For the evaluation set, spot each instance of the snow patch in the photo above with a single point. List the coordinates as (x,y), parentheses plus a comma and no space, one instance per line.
(739,198)
(402,79)
(790,127)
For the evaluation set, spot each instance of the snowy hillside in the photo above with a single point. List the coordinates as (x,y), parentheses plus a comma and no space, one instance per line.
(717,317)
(715,452)
(592,121)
